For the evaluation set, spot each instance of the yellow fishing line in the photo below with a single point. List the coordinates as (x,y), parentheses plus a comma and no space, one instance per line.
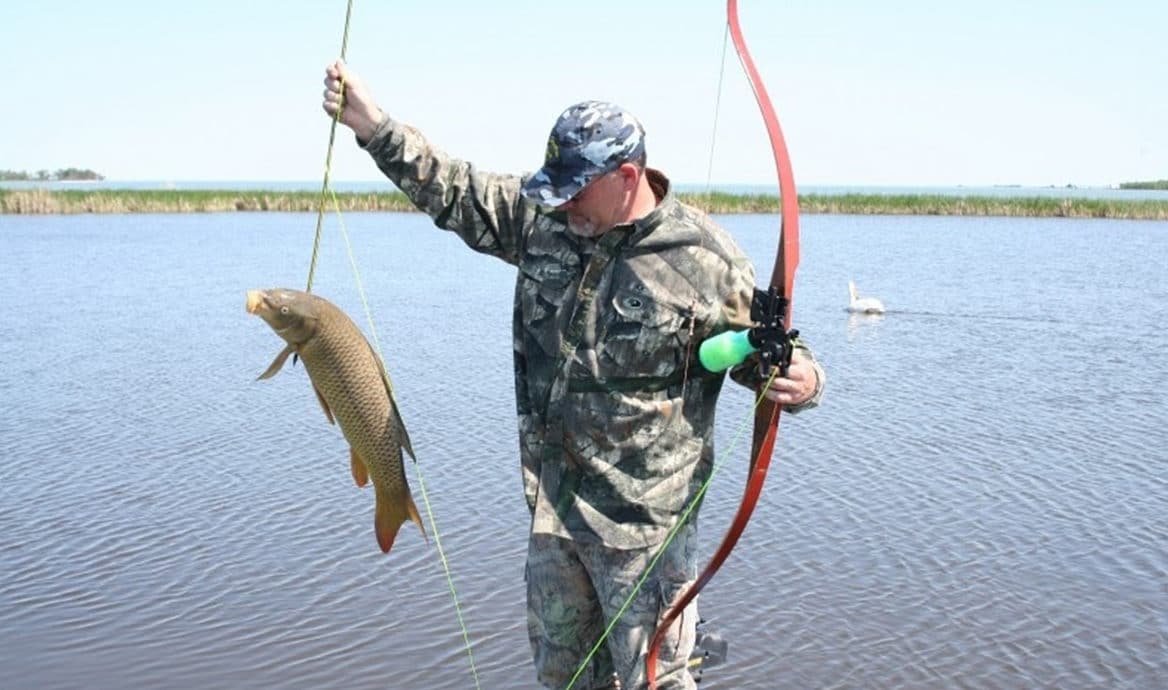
(326,191)
(417,468)
(328,157)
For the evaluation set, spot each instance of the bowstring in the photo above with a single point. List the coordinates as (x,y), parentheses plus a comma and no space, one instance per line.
(717,111)
(705,199)
(739,431)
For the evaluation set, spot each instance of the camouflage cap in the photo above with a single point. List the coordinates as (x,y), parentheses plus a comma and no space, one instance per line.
(589,139)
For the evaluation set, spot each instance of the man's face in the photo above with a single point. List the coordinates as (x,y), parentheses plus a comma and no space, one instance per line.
(600,205)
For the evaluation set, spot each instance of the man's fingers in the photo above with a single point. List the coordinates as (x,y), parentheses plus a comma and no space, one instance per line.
(788,390)
(331,102)
(777,397)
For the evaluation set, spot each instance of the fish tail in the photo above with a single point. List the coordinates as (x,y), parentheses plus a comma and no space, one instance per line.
(389,515)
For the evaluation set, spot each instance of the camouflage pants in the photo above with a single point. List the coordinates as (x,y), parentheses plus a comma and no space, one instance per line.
(573,592)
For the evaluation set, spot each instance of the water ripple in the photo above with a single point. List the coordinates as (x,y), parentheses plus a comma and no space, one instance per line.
(978,503)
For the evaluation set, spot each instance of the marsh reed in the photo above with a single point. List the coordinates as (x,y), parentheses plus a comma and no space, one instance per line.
(41,201)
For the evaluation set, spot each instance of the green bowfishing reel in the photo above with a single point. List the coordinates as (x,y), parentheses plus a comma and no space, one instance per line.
(770,338)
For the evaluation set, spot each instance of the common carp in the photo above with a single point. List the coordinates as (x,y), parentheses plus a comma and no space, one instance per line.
(354,390)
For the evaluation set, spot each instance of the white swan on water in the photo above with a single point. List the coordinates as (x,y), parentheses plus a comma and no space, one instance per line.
(863,305)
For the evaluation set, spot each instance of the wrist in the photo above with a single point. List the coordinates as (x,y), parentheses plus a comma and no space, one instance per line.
(367,125)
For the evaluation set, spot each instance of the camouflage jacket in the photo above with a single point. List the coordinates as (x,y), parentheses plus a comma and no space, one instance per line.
(616,416)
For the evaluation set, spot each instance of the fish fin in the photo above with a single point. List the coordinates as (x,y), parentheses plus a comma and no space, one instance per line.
(401,426)
(277,363)
(417,518)
(389,516)
(360,471)
(387,520)
(324,404)
(385,529)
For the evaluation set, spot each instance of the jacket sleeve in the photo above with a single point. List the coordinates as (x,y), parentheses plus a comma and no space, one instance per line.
(485,209)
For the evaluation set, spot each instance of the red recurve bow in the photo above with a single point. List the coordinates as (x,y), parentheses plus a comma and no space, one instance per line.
(766,416)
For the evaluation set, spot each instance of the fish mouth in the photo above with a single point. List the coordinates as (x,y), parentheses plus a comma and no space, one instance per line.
(255,299)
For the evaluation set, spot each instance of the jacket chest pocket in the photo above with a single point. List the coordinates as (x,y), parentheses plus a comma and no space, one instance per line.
(642,336)
(545,287)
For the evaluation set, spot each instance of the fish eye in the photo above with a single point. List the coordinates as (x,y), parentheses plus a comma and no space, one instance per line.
(284,310)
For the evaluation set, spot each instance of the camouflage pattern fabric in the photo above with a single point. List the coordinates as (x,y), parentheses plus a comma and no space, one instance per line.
(616,415)
(635,408)
(568,610)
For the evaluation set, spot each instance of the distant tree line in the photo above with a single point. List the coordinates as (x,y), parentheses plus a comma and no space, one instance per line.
(46,176)
(1151,184)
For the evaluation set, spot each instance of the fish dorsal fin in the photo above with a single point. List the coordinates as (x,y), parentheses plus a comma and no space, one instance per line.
(397,419)
(277,363)
(405,437)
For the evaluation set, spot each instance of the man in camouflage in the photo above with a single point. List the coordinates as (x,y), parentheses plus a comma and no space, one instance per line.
(617,285)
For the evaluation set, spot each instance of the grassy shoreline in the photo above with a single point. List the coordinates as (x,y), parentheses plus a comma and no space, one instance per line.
(50,202)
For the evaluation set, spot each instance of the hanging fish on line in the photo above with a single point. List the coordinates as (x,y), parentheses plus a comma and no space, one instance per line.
(351,384)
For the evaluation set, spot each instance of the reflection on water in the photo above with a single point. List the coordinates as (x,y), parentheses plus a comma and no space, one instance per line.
(857,321)
(979,503)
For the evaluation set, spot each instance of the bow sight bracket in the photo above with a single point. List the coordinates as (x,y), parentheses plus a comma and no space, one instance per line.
(770,336)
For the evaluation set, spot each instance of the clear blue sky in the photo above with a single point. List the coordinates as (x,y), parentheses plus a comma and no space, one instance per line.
(898,93)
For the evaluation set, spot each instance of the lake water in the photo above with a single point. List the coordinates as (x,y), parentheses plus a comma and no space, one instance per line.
(981,501)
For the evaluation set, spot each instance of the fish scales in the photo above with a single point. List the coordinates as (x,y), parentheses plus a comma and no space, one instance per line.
(353,389)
